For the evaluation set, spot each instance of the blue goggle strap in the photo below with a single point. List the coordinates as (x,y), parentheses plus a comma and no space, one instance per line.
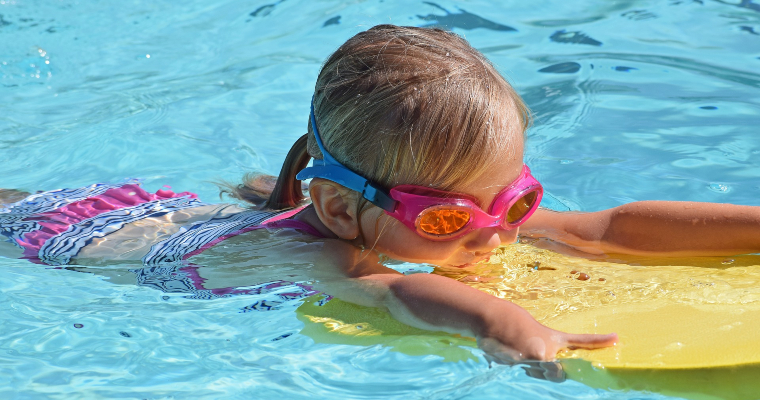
(329,168)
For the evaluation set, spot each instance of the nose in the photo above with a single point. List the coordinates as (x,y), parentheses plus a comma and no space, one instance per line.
(484,240)
(508,235)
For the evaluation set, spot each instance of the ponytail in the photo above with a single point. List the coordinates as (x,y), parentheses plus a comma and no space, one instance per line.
(288,191)
(264,192)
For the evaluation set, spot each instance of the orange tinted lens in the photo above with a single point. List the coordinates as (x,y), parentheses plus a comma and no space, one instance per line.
(521,208)
(443,221)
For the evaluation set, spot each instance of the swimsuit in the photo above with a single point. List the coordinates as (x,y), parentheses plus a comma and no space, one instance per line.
(52,227)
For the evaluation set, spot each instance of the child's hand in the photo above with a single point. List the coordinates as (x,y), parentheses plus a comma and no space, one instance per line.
(520,337)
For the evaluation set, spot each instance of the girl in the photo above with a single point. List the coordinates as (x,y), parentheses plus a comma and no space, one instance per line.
(417,144)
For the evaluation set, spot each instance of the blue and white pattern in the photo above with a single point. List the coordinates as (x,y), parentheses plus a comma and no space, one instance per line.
(167,279)
(192,238)
(16,230)
(283,299)
(59,249)
(172,279)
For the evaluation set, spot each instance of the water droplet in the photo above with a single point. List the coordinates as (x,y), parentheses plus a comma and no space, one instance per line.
(674,346)
(147,56)
(719,187)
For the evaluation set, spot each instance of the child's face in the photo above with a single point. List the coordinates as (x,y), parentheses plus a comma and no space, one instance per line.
(392,238)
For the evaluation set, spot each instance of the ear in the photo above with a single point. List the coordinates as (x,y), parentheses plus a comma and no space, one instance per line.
(336,208)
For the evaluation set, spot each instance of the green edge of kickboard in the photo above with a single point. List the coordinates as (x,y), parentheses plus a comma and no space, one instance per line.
(340,322)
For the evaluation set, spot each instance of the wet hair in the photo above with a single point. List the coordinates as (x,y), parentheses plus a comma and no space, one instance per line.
(403,105)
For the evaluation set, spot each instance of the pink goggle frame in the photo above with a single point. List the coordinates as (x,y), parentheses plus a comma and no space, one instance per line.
(441,215)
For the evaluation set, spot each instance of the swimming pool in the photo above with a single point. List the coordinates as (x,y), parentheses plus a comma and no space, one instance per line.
(634,100)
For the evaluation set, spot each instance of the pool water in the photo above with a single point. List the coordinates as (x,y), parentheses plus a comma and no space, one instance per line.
(634,100)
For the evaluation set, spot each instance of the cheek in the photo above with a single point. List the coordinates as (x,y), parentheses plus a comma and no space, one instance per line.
(508,237)
(392,238)
(375,224)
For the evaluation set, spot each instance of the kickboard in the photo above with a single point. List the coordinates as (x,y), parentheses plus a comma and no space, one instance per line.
(688,327)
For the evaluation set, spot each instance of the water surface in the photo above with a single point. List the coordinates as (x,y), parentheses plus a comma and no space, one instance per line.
(634,100)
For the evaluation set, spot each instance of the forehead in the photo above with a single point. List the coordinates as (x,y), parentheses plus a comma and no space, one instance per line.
(495,176)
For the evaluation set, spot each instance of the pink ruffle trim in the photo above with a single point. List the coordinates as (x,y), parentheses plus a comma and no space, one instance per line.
(59,220)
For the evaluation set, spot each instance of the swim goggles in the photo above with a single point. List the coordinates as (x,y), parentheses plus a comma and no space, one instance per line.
(433,214)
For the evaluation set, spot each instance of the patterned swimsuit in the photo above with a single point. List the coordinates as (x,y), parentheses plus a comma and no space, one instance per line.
(52,228)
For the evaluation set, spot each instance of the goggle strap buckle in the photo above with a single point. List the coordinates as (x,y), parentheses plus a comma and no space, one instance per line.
(378,197)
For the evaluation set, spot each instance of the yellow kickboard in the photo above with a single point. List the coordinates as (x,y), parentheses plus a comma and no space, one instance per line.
(697,352)
(687,327)
(670,336)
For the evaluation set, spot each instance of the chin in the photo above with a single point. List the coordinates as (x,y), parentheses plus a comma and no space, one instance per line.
(458,264)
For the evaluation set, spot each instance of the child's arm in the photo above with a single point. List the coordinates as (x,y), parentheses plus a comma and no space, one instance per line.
(434,302)
(666,228)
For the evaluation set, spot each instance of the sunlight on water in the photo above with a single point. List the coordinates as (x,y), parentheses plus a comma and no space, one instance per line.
(552,284)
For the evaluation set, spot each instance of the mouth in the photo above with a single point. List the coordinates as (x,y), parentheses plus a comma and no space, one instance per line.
(474,258)
(482,256)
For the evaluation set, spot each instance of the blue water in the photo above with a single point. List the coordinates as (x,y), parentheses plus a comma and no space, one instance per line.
(634,100)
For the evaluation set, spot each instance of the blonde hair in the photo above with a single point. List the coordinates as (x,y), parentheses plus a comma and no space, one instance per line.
(404,105)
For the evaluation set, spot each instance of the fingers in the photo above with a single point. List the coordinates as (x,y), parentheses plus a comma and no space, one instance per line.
(537,349)
(590,341)
(546,370)
(550,371)
(499,352)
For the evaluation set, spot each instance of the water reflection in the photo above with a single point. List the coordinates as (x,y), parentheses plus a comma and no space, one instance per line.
(462,20)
